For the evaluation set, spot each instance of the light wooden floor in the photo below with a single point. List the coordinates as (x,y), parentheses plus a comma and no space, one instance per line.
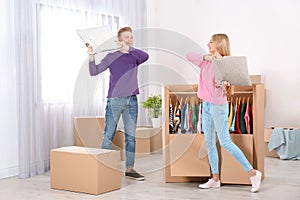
(282,182)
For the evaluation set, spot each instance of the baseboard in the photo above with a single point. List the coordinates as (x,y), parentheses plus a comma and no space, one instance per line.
(9,172)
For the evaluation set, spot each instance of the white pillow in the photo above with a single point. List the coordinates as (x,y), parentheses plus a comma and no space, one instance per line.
(233,69)
(95,36)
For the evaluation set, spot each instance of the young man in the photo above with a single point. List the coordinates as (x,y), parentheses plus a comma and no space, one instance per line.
(121,99)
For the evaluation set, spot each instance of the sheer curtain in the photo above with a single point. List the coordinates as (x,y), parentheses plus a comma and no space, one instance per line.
(49,58)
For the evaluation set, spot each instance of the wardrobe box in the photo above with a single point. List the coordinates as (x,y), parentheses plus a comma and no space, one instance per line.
(86,170)
(231,170)
(267,135)
(188,156)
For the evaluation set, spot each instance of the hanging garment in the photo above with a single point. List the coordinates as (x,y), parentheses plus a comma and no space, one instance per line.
(230,117)
(171,118)
(242,120)
(191,118)
(195,118)
(187,118)
(237,119)
(199,118)
(232,128)
(247,118)
(182,118)
(177,118)
(251,117)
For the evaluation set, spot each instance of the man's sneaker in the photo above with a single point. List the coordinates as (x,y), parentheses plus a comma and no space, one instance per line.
(255,181)
(134,175)
(210,184)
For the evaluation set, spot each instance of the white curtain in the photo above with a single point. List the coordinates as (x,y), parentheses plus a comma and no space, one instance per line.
(49,58)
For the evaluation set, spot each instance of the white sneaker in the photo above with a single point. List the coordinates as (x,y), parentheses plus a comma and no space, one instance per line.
(255,181)
(210,184)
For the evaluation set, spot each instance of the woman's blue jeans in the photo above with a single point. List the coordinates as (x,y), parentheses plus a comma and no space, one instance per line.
(128,107)
(215,119)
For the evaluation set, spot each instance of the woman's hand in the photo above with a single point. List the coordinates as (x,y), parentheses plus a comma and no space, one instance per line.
(225,83)
(211,57)
(229,90)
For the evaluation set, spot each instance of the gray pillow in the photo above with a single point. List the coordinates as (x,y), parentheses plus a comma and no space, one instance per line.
(95,36)
(233,69)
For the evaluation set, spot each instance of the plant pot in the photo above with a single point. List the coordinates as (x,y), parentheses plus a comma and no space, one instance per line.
(156,122)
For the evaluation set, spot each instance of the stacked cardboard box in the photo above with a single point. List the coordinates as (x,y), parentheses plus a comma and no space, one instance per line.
(89,131)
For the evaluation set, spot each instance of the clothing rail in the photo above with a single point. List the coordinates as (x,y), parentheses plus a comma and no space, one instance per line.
(183,92)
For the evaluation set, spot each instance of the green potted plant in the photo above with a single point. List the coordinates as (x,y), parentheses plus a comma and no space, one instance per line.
(153,104)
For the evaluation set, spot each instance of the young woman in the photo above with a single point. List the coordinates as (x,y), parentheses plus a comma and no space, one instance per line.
(215,113)
(121,98)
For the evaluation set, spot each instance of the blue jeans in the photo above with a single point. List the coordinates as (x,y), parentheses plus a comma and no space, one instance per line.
(215,119)
(128,107)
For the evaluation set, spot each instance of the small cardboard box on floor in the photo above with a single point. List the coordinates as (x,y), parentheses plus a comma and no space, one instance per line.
(267,135)
(86,170)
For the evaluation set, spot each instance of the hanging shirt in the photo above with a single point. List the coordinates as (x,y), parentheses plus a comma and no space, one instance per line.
(191,118)
(237,119)
(177,118)
(230,117)
(251,117)
(199,119)
(171,118)
(187,119)
(242,120)
(195,118)
(182,118)
(247,119)
(232,128)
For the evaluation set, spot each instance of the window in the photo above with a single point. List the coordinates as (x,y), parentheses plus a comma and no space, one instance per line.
(62,51)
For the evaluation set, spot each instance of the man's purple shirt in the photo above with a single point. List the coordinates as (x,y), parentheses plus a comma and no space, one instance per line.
(123,71)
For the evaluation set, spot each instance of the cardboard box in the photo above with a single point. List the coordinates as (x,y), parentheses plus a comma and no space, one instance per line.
(89,132)
(267,135)
(231,171)
(255,79)
(142,138)
(156,140)
(142,145)
(188,155)
(87,170)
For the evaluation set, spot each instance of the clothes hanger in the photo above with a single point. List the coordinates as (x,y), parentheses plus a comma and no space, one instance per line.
(181,100)
(187,99)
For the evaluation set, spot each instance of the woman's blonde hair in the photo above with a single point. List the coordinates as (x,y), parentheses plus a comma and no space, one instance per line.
(222,44)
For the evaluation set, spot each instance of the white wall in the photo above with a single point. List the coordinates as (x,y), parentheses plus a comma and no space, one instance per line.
(267,32)
(8,117)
